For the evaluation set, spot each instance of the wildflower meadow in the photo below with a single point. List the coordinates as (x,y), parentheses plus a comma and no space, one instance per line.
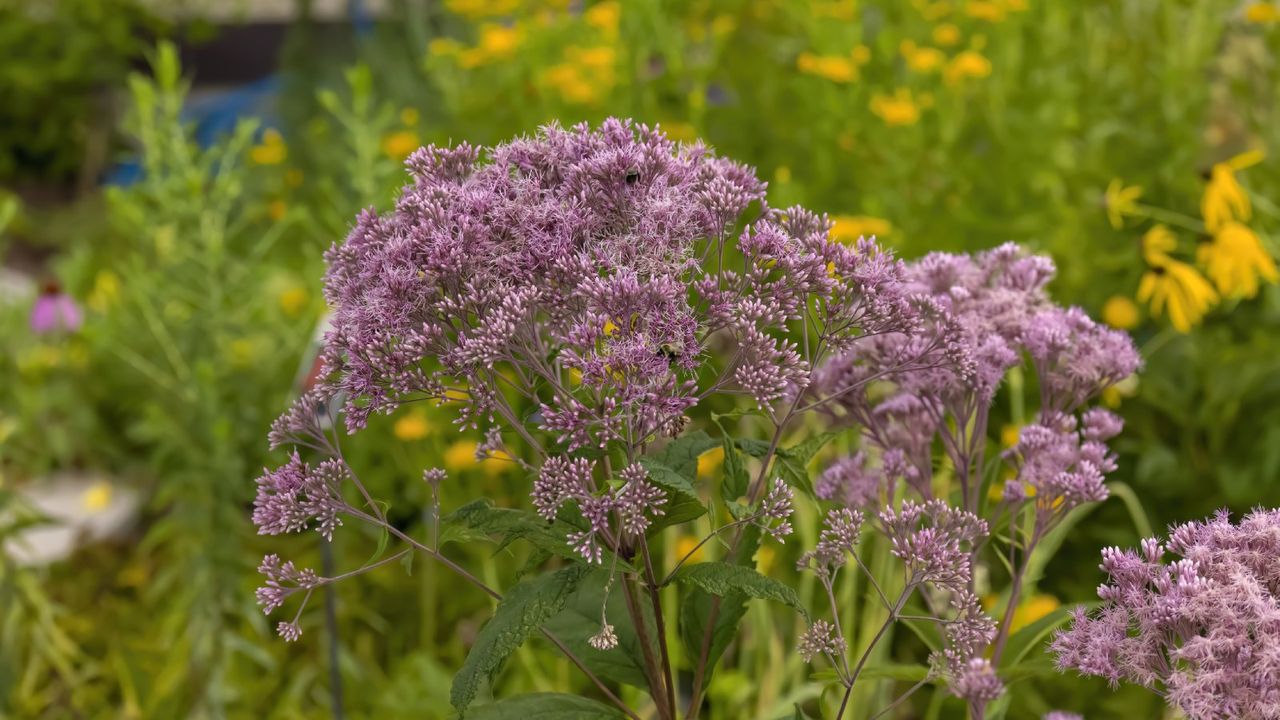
(594,359)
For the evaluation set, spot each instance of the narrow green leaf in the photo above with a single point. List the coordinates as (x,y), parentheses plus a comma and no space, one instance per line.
(895,671)
(545,706)
(526,607)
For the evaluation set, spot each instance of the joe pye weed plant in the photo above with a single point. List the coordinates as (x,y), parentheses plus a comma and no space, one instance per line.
(599,302)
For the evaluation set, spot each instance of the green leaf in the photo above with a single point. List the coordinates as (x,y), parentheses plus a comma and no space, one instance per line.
(805,451)
(481,520)
(696,604)
(724,579)
(580,620)
(682,453)
(736,479)
(794,474)
(524,609)
(545,706)
(682,503)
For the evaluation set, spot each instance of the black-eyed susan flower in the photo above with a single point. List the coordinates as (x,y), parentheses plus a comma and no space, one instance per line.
(1235,260)
(1120,200)
(946,35)
(1224,199)
(969,64)
(271,150)
(897,109)
(1262,13)
(1178,287)
(851,228)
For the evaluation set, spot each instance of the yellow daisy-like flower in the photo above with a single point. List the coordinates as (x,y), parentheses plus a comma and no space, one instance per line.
(897,109)
(276,209)
(1224,200)
(1262,13)
(1009,435)
(1157,243)
(966,65)
(106,288)
(1120,201)
(709,462)
(605,17)
(985,10)
(271,151)
(1235,259)
(413,425)
(1031,610)
(924,60)
(398,145)
(686,545)
(849,228)
(836,68)
(461,456)
(1178,287)
(293,300)
(1120,312)
(946,35)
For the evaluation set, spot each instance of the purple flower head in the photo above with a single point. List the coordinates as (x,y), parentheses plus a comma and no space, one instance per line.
(295,494)
(775,511)
(820,639)
(283,580)
(55,311)
(1064,460)
(976,682)
(934,540)
(1202,628)
(850,482)
(1061,715)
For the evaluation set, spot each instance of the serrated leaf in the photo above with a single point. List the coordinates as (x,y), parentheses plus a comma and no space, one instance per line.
(736,479)
(804,452)
(522,611)
(682,453)
(794,474)
(696,604)
(719,578)
(682,503)
(580,619)
(545,706)
(753,447)
(480,519)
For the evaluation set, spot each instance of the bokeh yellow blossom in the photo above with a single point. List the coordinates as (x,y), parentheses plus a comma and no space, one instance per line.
(1235,260)
(836,68)
(271,150)
(1224,200)
(1009,435)
(709,462)
(605,17)
(97,496)
(399,144)
(276,209)
(1262,13)
(1120,201)
(1121,312)
(293,300)
(686,545)
(849,228)
(897,109)
(946,35)
(1177,287)
(461,456)
(444,47)
(988,10)
(966,65)
(1157,243)
(480,9)
(106,288)
(1031,610)
(922,59)
(496,42)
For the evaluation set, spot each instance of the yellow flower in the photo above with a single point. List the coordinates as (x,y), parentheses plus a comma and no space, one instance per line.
(576,86)
(1177,286)
(1016,5)
(850,228)
(1009,435)
(477,9)
(681,131)
(1031,610)
(764,559)
(985,10)
(293,300)
(1120,201)
(1115,394)
(782,174)
(925,59)
(1262,13)
(412,426)
(271,151)
(443,47)
(276,209)
(605,17)
(497,42)
(1120,312)
(968,64)
(686,545)
(897,109)
(1157,243)
(709,462)
(461,455)
(97,496)
(861,54)
(946,35)
(835,10)
(398,145)
(836,68)
(106,288)
(409,116)
(1224,200)
(722,25)
(597,58)
(1234,259)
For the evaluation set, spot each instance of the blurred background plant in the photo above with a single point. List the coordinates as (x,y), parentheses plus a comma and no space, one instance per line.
(1133,141)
